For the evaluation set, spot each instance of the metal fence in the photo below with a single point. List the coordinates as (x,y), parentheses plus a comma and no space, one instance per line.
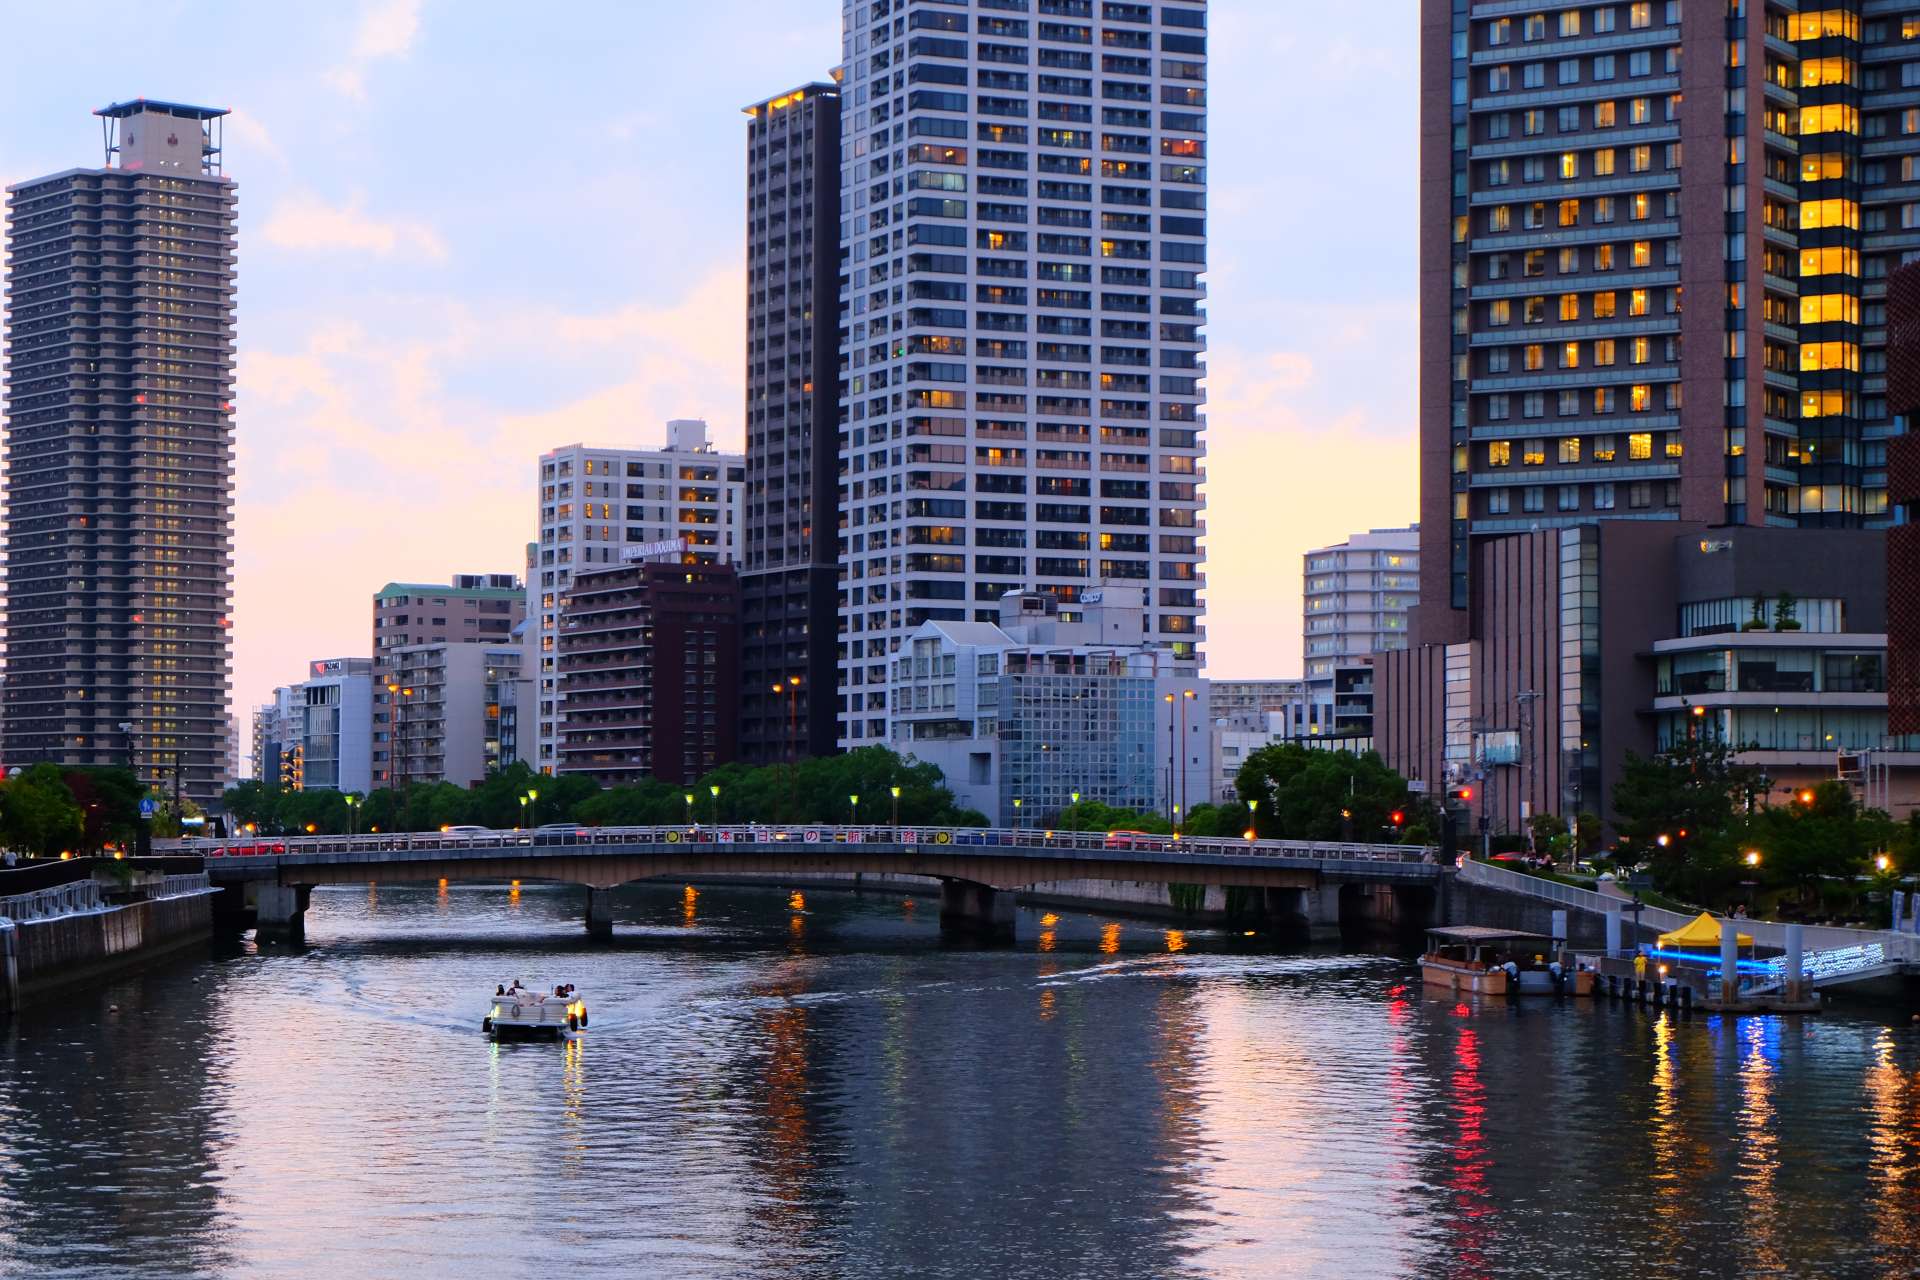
(47,904)
(1768,934)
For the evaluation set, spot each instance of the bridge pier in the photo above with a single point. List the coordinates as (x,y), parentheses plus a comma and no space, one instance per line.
(967,907)
(600,914)
(1314,912)
(280,911)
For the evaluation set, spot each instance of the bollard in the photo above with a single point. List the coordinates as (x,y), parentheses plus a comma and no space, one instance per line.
(1686,1000)
(1613,929)
(1730,957)
(1796,963)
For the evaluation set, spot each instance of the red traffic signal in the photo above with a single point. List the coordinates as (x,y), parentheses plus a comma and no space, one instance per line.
(1397,817)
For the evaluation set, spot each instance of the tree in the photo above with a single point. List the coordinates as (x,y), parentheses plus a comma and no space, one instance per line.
(1803,844)
(1308,794)
(38,815)
(1786,615)
(1689,793)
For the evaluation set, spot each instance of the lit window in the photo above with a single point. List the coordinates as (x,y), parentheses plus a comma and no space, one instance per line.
(1639,445)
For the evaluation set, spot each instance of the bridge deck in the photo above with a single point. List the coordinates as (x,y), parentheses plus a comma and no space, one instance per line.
(1004,857)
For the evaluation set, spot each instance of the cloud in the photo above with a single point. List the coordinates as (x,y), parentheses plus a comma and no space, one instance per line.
(307,223)
(253,136)
(388,29)
(368,454)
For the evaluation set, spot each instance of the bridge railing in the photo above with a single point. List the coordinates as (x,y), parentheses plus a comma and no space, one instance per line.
(1768,934)
(47,904)
(935,839)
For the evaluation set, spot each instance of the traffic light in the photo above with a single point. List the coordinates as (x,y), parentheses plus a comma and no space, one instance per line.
(1398,818)
(1460,795)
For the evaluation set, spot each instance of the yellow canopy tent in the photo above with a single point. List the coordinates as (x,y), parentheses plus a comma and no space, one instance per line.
(1702,931)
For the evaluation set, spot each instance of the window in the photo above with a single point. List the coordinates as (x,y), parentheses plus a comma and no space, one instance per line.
(1639,15)
(1603,163)
(1639,494)
(1498,502)
(1499,453)
(1640,446)
(1569,306)
(1603,497)
(1604,448)
(1603,305)
(1569,497)
(1603,115)
(1533,498)
(1569,448)
(1603,350)
(1569,23)
(1531,357)
(1533,453)
(1569,355)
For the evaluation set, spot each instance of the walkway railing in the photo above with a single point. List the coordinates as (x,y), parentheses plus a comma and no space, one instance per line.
(935,839)
(182,886)
(1769,934)
(47,904)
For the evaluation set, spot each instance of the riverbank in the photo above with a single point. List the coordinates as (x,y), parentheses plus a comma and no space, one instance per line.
(82,923)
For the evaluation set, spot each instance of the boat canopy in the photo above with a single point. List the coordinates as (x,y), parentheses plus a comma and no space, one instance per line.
(1483,935)
(1701,931)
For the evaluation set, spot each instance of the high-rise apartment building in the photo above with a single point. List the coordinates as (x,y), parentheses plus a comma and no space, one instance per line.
(604,507)
(320,730)
(650,671)
(119,455)
(1563,381)
(1356,598)
(474,608)
(449,711)
(790,536)
(1023,205)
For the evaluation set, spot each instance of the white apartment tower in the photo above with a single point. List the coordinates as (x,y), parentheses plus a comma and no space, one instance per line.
(601,507)
(1023,214)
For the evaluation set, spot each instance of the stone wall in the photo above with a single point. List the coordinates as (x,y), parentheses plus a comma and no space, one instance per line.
(50,953)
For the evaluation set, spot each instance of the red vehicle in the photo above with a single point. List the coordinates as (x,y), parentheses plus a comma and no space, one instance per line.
(1128,839)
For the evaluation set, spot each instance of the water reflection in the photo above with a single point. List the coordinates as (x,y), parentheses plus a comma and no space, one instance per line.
(818,1086)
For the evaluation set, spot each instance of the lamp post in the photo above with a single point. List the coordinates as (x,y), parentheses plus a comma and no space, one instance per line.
(854,800)
(523,811)
(353,814)
(1171,752)
(688,797)
(714,789)
(533,804)
(1752,859)
(1186,696)
(1253,819)
(1016,813)
(895,790)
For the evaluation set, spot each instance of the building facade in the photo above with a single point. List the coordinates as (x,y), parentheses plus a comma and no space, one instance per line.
(790,535)
(1355,600)
(317,735)
(649,672)
(598,506)
(1562,382)
(119,455)
(1023,206)
(474,608)
(1047,705)
(446,712)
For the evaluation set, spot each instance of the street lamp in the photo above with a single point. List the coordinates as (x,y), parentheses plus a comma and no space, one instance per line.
(1016,813)
(1253,819)
(523,811)
(689,799)
(1753,855)
(1172,751)
(1186,696)
(896,805)
(854,800)
(353,814)
(1881,862)
(715,789)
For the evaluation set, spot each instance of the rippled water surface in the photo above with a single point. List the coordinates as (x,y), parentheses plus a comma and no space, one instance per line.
(815,1086)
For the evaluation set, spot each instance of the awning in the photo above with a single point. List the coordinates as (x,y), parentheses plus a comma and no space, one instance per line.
(1702,931)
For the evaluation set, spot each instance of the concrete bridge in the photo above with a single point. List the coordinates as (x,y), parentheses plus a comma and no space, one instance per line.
(979,869)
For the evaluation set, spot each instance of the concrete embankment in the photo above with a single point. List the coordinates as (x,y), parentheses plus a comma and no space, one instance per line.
(56,935)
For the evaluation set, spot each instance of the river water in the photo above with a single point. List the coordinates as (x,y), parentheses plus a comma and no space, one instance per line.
(816,1086)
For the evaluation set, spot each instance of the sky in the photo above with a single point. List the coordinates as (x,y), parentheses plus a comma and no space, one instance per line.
(472,230)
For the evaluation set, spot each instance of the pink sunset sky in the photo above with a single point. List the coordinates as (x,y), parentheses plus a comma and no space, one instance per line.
(471,232)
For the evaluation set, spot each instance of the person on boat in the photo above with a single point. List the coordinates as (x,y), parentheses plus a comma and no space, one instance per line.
(500,990)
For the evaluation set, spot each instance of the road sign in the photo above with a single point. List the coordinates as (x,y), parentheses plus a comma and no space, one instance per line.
(147,806)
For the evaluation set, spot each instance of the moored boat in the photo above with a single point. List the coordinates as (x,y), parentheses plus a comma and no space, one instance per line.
(1478,960)
(522,1013)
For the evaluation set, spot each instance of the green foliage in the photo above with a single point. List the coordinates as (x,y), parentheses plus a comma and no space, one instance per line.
(816,791)
(1091,815)
(1305,794)
(1786,612)
(38,815)
(109,801)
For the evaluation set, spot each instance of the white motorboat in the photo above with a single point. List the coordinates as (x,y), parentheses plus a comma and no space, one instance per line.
(524,1013)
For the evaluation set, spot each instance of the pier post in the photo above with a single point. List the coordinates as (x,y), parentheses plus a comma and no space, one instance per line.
(1559,930)
(1899,924)
(599,914)
(1729,962)
(280,911)
(1613,929)
(1794,989)
(9,969)
(967,907)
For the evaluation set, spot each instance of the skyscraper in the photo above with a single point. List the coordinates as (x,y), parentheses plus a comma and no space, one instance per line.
(605,507)
(1023,206)
(790,537)
(119,459)
(1563,382)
